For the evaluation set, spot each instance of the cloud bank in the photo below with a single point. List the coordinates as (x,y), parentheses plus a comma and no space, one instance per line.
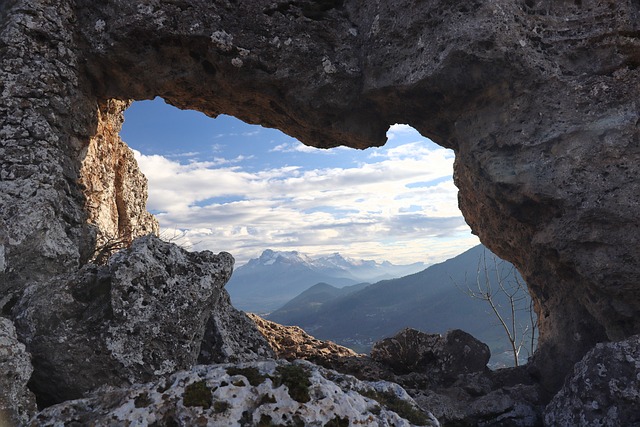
(397,203)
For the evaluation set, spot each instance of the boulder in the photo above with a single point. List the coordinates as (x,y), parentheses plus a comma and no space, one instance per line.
(456,353)
(17,403)
(249,394)
(142,315)
(603,389)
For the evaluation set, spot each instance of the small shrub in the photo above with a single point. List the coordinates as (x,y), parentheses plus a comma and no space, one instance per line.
(252,375)
(142,400)
(197,394)
(401,407)
(296,378)
(220,406)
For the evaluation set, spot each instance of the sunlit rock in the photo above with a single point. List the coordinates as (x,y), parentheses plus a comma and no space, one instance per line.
(250,394)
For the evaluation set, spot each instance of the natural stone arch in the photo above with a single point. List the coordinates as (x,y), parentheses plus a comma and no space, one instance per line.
(538,101)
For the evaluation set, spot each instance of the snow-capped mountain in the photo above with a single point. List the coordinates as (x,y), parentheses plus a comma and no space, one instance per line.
(267,282)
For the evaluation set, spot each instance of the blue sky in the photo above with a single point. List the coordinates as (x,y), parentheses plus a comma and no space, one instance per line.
(223,185)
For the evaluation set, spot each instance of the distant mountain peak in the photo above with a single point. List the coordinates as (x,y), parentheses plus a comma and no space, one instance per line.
(334,260)
(267,282)
(270,257)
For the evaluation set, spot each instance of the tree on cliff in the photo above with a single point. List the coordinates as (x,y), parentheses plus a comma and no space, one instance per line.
(509,302)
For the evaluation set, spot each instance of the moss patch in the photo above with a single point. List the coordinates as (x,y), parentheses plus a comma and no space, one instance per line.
(252,375)
(296,378)
(338,422)
(142,400)
(197,394)
(266,398)
(401,407)
(220,406)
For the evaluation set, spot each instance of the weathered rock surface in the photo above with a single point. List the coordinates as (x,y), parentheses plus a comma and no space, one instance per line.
(471,395)
(603,390)
(260,393)
(449,374)
(444,356)
(144,314)
(292,342)
(114,187)
(538,99)
(231,336)
(504,398)
(17,403)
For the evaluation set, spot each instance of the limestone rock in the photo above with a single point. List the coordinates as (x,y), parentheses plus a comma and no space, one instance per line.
(231,336)
(480,400)
(142,315)
(114,188)
(259,393)
(484,398)
(45,119)
(538,99)
(603,390)
(292,342)
(17,403)
(446,356)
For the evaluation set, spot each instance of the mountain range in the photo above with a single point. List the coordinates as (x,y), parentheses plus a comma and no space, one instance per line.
(433,300)
(266,283)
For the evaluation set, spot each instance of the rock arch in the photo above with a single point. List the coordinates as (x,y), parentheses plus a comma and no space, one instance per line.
(539,100)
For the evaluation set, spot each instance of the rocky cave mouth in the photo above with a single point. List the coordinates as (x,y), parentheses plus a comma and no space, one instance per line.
(156,130)
(538,100)
(234,161)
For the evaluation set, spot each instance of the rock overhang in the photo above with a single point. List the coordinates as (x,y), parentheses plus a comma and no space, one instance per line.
(539,102)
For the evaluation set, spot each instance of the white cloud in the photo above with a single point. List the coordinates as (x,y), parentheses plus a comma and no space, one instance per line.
(298,147)
(370,211)
(400,129)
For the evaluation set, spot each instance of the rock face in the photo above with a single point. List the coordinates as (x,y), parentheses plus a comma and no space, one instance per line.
(114,187)
(603,390)
(291,343)
(446,356)
(263,393)
(149,312)
(449,375)
(17,403)
(463,393)
(538,99)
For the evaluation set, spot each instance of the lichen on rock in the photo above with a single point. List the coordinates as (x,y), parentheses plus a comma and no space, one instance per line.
(143,315)
(603,389)
(209,396)
(17,402)
(538,99)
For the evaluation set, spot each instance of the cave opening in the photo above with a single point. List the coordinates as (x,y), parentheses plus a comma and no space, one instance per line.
(221,184)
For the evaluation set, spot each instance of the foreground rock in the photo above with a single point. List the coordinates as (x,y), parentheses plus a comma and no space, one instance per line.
(143,315)
(17,403)
(538,99)
(260,393)
(603,390)
(445,356)
(292,342)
